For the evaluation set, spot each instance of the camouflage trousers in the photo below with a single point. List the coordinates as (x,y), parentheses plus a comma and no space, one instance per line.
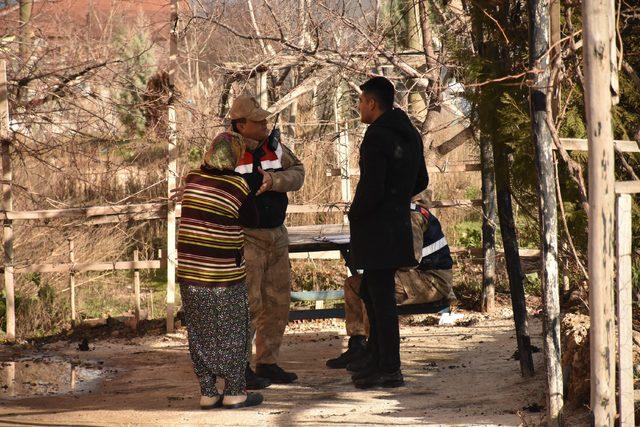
(412,287)
(266,253)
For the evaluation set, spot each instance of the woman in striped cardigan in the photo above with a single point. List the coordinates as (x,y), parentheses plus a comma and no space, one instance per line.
(216,204)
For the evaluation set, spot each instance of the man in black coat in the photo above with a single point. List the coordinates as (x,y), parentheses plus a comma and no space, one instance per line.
(392,170)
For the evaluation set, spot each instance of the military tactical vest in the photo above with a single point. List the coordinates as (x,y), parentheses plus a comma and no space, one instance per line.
(272,205)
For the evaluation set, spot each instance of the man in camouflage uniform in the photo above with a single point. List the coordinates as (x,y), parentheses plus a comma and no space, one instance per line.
(430,281)
(271,170)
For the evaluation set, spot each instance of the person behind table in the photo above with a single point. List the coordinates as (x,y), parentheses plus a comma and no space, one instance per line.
(392,171)
(429,282)
(216,204)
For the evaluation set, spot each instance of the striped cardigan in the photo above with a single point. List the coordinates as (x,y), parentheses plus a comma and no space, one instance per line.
(210,236)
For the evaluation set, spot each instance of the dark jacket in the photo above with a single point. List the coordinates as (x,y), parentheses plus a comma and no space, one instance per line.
(392,171)
(435,253)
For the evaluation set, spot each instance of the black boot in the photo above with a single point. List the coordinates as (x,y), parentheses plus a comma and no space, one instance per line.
(275,373)
(380,379)
(361,363)
(355,350)
(255,382)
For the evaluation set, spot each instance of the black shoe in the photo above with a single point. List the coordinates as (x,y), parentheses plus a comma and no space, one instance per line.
(255,382)
(275,373)
(367,370)
(360,363)
(253,399)
(355,351)
(380,379)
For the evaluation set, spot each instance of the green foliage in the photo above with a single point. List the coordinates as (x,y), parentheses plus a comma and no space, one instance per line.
(532,284)
(308,275)
(135,50)
(501,110)
(472,193)
(41,312)
(635,283)
(469,234)
(195,156)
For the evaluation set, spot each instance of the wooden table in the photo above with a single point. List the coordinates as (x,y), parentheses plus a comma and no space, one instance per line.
(331,237)
(318,238)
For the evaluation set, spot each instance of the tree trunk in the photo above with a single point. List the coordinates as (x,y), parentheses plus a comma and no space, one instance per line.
(512,256)
(489,223)
(539,35)
(417,107)
(25,41)
(26,31)
(556,51)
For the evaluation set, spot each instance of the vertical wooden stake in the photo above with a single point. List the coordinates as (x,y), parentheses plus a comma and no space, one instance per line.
(151,309)
(597,88)
(136,286)
(7,205)
(72,280)
(10,370)
(73,380)
(316,287)
(566,281)
(625,301)
(172,170)
(342,148)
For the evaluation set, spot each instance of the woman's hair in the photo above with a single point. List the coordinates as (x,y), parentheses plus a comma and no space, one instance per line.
(234,124)
(225,151)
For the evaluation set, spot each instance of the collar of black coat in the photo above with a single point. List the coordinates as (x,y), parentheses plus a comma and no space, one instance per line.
(396,119)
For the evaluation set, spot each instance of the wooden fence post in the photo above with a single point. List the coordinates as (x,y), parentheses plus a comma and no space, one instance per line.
(136,286)
(10,371)
(342,147)
(625,301)
(172,170)
(7,205)
(597,76)
(72,280)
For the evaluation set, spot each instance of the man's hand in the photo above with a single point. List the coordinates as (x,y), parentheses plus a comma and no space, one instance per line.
(267,182)
(177,194)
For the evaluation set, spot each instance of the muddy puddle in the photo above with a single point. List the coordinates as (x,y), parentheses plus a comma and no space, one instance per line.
(48,376)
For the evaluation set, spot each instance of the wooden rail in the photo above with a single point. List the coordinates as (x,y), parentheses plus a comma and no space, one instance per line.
(86,267)
(577,144)
(97,215)
(446,168)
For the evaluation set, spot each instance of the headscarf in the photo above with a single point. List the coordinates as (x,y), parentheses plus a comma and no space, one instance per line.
(423,198)
(225,151)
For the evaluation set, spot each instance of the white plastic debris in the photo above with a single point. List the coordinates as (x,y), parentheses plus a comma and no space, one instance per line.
(450,318)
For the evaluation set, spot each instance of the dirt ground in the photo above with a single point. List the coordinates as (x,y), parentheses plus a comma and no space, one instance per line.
(455,375)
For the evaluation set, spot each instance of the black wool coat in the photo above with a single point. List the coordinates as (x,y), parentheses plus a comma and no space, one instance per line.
(392,171)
